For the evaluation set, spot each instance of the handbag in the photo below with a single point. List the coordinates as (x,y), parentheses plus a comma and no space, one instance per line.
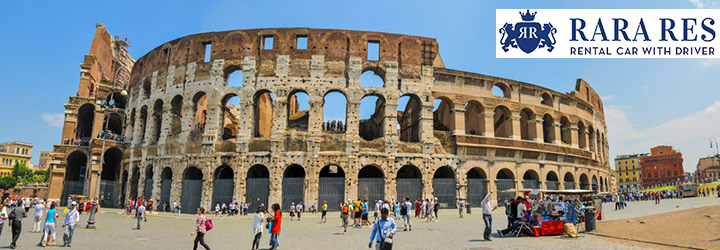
(386,244)
(208,225)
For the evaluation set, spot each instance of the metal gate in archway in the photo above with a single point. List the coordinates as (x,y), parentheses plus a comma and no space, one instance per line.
(134,190)
(258,190)
(444,189)
(409,187)
(71,188)
(166,186)
(109,194)
(148,189)
(332,190)
(476,191)
(505,184)
(371,188)
(191,195)
(222,191)
(552,185)
(531,184)
(293,189)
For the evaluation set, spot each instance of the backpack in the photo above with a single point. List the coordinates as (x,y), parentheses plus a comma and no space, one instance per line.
(345,209)
(403,209)
(208,225)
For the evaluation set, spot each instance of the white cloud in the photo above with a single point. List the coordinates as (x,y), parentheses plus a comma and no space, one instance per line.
(606,98)
(704,4)
(54,120)
(700,4)
(645,90)
(688,133)
(709,62)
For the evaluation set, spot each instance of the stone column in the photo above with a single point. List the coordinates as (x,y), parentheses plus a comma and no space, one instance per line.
(188,120)
(585,138)
(489,130)
(157,186)
(558,133)
(516,128)
(141,184)
(149,129)
(137,131)
(167,118)
(536,125)
(574,135)
(459,119)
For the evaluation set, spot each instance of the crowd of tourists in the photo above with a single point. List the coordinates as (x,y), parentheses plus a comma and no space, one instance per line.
(76,142)
(111,136)
(334,126)
(233,208)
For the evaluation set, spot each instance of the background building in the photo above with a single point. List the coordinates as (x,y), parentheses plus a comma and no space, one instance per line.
(628,172)
(662,166)
(12,153)
(708,169)
(44,161)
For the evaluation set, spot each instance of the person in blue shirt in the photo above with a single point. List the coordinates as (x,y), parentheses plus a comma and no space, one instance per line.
(384,228)
(52,214)
(364,207)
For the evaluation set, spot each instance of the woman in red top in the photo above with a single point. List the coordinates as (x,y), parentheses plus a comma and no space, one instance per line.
(200,229)
(275,230)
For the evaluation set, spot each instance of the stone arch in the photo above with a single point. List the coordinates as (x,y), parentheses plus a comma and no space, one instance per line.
(200,111)
(444,186)
(531,179)
(474,118)
(443,118)
(192,187)
(233,76)
(116,100)
(594,183)
(409,182)
(157,117)
(409,118)
(75,169)
(584,182)
(502,122)
(298,118)
(335,114)
(565,131)
(569,181)
(112,165)
(176,109)
(134,183)
(372,77)
(258,186)
(371,183)
(293,185)
(582,142)
(602,185)
(505,179)
(552,181)
(223,185)
(591,139)
(166,180)
(476,185)
(146,89)
(500,89)
(147,190)
(331,187)
(113,124)
(86,117)
(263,114)
(373,126)
(548,129)
(230,116)
(527,124)
(546,99)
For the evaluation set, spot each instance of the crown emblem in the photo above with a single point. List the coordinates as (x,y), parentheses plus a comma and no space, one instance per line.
(528,16)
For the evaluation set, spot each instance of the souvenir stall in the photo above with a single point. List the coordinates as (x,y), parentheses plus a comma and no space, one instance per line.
(551,209)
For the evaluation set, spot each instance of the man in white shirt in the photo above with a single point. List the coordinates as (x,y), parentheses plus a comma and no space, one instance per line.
(140,215)
(521,207)
(487,214)
(71,219)
(39,209)
(3,216)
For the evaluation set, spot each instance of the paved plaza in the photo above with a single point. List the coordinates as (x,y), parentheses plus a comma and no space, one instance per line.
(165,231)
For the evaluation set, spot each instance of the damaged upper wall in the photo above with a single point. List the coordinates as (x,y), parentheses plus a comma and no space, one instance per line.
(102,61)
(336,46)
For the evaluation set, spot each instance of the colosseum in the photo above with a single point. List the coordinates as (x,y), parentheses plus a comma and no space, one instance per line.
(243,115)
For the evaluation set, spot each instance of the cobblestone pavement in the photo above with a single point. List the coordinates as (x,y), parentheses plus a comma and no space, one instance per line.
(165,231)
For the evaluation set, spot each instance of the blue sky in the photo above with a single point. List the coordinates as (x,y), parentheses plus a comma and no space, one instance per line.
(647,101)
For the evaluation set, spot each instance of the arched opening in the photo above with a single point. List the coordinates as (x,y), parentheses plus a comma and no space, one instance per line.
(147,190)
(409,115)
(263,114)
(230,114)
(331,187)
(476,186)
(602,185)
(134,181)
(569,181)
(177,112)
(548,129)
(584,182)
(86,117)
(114,127)
(293,185)
(607,188)
(123,188)
(157,118)
(527,125)
(131,125)
(116,100)
(200,110)
(112,161)
(474,118)
(595,184)
(551,181)
(501,90)
(335,114)
(443,118)
(546,99)
(582,142)
(166,186)
(223,185)
(74,175)
(191,190)
(298,110)
(146,89)
(371,183)
(409,183)
(444,187)
(531,179)
(591,139)
(565,135)
(505,180)
(372,117)
(502,122)
(258,186)
(142,124)
(370,79)
(234,77)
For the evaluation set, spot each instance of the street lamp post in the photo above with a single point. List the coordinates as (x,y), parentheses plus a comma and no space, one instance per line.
(91,219)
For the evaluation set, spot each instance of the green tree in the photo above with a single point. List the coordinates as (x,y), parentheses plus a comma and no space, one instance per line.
(42,175)
(20,171)
(8,182)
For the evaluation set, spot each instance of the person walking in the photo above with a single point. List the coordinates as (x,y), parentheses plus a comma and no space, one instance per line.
(460,205)
(50,218)
(258,225)
(299,209)
(16,216)
(39,211)
(487,215)
(384,228)
(323,218)
(344,214)
(407,214)
(71,219)
(276,223)
(200,229)
(292,211)
(3,216)
(140,215)
(436,207)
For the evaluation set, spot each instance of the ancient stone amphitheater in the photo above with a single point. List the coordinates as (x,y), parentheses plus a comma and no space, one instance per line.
(242,116)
